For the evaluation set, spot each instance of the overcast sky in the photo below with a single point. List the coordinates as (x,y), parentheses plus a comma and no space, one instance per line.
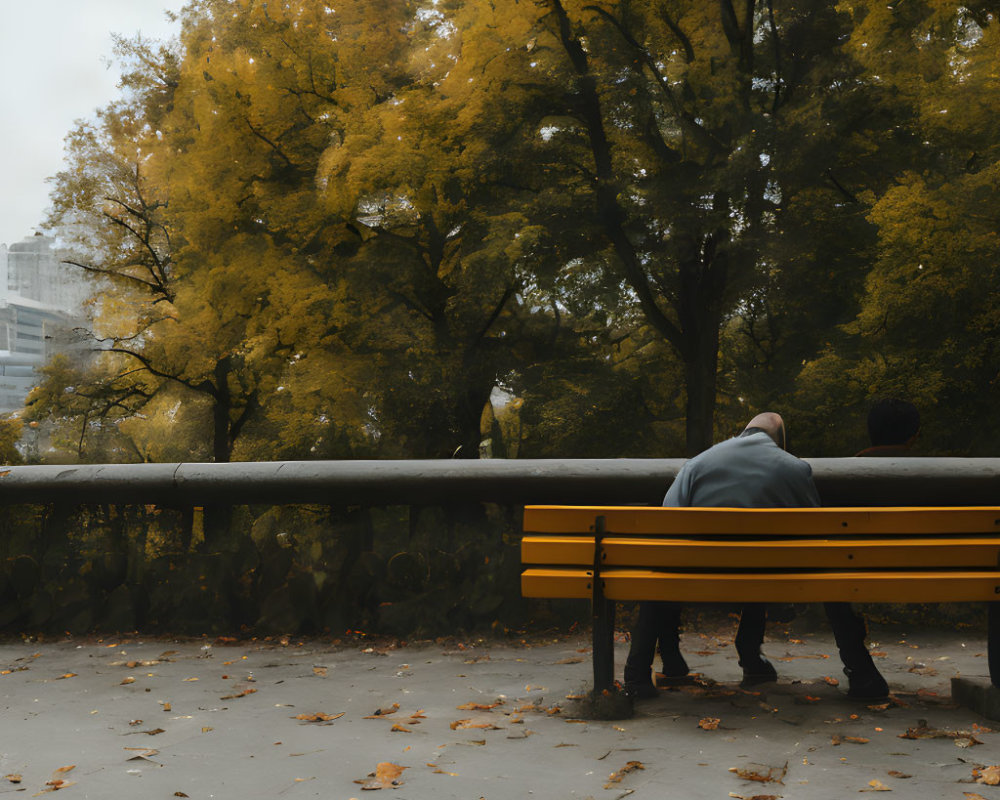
(55,68)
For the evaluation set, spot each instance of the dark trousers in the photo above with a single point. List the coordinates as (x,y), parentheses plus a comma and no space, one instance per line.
(660,623)
(849,631)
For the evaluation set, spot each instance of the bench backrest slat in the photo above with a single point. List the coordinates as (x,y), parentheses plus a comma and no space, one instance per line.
(643,520)
(854,554)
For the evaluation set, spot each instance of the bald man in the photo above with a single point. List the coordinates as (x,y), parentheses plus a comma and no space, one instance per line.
(752,470)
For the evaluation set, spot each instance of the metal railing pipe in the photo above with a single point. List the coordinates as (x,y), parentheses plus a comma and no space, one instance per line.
(841,481)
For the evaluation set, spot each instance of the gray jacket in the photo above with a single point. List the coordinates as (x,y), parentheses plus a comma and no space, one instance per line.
(749,471)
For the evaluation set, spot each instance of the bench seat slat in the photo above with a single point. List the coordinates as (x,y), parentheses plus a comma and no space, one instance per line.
(886,521)
(801,587)
(959,551)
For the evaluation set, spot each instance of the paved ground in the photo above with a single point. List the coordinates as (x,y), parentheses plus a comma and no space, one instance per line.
(163,719)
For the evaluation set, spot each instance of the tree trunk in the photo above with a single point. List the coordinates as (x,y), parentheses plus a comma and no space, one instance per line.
(221,413)
(700,376)
(469,417)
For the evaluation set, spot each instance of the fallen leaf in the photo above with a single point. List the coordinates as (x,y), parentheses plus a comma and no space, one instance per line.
(400,728)
(167,707)
(181,794)
(479,706)
(442,772)
(57,784)
(465,724)
(385,776)
(831,681)
(67,675)
(836,740)
(571,660)
(319,716)
(153,732)
(238,695)
(876,786)
(616,777)
(126,681)
(384,712)
(13,777)
(143,754)
(895,773)
(709,723)
(988,775)
(319,671)
(207,728)
(754,796)
(189,680)
(773,774)
(973,796)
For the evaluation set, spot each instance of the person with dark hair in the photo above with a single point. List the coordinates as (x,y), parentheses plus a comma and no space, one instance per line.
(893,427)
(752,470)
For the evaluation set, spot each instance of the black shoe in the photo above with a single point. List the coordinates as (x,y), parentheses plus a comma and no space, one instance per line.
(674,666)
(867,685)
(757,670)
(640,690)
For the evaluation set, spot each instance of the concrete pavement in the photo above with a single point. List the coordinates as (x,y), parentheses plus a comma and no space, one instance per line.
(160,718)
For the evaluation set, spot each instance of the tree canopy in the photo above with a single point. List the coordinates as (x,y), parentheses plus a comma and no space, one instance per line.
(568,228)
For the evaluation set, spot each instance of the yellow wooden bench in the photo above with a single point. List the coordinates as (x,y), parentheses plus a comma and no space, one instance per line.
(787,555)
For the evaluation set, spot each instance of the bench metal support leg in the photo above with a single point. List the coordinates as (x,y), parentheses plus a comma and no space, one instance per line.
(603,619)
(993,641)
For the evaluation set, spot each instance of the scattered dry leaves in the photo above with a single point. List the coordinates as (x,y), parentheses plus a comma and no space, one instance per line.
(400,728)
(709,723)
(479,706)
(875,785)
(831,681)
(616,777)
(923,731)
(836,740)
(321,671)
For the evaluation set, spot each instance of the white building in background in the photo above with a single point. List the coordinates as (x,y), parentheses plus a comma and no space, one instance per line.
(41,310)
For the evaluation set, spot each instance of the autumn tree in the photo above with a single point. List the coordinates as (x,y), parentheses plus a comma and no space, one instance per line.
(927,326)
